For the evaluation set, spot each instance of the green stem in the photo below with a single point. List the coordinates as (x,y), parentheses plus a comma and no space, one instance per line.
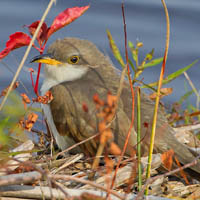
(139,141)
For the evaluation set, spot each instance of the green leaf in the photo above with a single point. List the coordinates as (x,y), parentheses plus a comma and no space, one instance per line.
(153,62)
(130,44)
(179,72)
(132,65)
(134,51)
(115,49)
(149,56)
(173,75)
(137,74)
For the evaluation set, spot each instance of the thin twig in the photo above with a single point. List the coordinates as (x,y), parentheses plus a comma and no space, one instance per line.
(119,91)
(49,182)
(27,52)
(191,127)
(67,196)
(132,93)
(77,144)
(22,178)
(139,138)
(67,178)
(193,87)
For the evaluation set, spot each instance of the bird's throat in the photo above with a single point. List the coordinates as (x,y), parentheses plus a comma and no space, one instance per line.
(59,74)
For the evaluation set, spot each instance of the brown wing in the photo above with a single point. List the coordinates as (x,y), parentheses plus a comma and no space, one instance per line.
(70,118)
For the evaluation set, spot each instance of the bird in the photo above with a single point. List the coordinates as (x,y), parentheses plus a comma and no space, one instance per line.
(74,71)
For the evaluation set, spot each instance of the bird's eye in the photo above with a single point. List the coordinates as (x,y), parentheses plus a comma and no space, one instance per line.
(73,59)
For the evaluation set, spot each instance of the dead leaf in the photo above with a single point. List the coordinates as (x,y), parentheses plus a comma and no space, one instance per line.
(109,164)
(47,98)
(183,174)
(114,149)
(167,159)
(163,92)
(25,100)
(32,118)
(4,92)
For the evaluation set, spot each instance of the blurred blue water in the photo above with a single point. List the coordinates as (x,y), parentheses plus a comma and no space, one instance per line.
(145,21)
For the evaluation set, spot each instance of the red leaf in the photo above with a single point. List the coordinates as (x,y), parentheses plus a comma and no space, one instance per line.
(42,35)
(65,18)
(146,125)
(18,39)
(85,107)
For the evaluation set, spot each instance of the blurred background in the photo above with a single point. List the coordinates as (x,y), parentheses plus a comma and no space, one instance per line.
(145,22)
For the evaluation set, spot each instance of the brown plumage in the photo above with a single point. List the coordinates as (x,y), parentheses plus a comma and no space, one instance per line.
(69,94)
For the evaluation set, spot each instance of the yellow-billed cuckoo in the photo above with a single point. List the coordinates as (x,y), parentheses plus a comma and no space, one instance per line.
(75,70)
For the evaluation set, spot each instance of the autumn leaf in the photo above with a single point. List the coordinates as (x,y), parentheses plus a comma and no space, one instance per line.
(183,174)
(98,101)
(25,100)
(42,35)
(167,159)
(32,118)
(146,125)
(111,100)
(4,92)
(106,136)
(102,126)
(109,164)
(65,18)
(47,98)
(163,91)
(17,40)
(85,107)
(114,149)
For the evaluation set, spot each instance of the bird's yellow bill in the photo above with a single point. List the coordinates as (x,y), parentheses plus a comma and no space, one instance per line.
(46,60)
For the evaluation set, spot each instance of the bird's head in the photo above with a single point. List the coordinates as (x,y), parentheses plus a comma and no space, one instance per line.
(69,59)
